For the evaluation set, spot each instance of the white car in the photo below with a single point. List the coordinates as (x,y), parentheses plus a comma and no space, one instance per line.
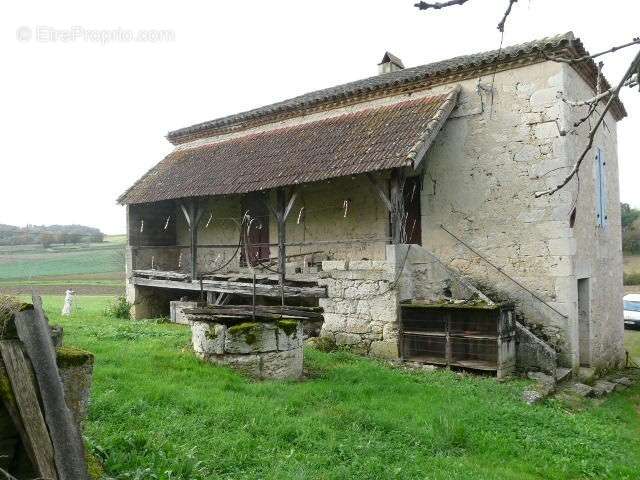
(631,310)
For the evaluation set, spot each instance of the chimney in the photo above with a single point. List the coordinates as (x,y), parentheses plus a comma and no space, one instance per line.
(390,63)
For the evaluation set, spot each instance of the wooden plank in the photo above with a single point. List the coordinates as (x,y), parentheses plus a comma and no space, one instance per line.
(238,288)
(9,402)
(26,395)
(35,334)
(161,274)
(259,310)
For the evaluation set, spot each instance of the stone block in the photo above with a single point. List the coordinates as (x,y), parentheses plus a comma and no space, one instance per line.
(334,322)
(208,338)
(247,364)
(357,324)
(360,265)
(531,397)
(602,387)
(328,265)
(626,381)
(528,153)
(289,336)
(250,337)
(390,331)
(546,131)
(385,349)
(282,365)
(347,339)
(582,390)
(542,99)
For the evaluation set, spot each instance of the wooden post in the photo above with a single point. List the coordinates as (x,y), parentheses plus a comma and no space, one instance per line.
(194,240)
(281,217)
(192,215)
(397,206)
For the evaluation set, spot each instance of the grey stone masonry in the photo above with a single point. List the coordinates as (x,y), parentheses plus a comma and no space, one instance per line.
(259,349)
(361,310)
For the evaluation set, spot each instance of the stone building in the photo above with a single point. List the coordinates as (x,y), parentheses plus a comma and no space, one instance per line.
(415,184)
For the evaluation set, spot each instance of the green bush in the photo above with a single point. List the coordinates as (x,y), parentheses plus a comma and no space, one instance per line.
(118,308)
(631,278)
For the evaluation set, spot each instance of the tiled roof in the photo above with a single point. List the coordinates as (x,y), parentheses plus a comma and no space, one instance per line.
(364,141)
(408,76)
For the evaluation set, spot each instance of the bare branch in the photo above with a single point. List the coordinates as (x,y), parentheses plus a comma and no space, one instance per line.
(439,5)
(506,14)
(633,67)
(557,58)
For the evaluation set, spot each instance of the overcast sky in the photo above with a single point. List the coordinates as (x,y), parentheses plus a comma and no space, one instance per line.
(84,112)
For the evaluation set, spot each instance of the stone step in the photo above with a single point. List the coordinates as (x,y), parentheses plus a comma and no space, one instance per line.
(562,374)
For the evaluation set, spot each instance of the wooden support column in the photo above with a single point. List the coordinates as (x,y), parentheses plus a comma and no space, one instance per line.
(394,201)
(281,201)
(192,214)
(396,189)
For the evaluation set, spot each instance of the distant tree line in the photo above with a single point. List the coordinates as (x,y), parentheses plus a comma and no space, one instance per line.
(630,229)
(47,235)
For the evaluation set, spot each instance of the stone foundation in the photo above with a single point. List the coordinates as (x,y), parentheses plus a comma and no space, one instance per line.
(259,349)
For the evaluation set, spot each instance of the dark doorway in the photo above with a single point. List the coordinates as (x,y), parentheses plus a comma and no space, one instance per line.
(584,322)
(413,224)
(258,231)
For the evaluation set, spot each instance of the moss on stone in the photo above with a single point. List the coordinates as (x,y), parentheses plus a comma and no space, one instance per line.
(248,329)
(288,326)
(473,305)
(73,357)
(9,306)
(210,334)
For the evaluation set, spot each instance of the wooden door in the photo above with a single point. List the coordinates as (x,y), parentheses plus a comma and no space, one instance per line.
(258,233)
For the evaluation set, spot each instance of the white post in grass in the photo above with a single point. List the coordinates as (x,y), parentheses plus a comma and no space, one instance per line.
(68,303)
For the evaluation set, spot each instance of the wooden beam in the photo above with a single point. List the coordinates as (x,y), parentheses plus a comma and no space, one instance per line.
(26,395)
(380,191)
(292,201)
(186,214)
(238,288)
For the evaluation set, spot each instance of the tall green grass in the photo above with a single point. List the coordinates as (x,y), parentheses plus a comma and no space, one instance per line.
(159,413)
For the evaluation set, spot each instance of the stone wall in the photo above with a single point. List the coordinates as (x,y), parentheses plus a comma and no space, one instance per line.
(596,251)
(481,174)
(361,310)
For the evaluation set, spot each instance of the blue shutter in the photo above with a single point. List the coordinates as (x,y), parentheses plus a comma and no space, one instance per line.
(601,189)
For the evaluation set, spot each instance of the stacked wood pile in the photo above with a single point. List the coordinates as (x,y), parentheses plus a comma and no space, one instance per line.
(38,435)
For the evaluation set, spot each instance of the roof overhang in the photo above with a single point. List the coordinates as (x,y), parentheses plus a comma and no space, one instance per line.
(396,135)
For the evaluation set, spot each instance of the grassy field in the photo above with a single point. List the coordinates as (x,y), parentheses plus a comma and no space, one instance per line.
(159,413)
(631,265)
(96,268)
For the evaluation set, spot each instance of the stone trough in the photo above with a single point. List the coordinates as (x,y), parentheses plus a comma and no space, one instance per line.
(263,349)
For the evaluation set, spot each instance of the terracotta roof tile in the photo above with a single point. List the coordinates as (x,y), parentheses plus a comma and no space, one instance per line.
(365,141)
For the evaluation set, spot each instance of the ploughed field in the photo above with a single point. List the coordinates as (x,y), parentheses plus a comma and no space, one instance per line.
(89,269)
(159,413)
